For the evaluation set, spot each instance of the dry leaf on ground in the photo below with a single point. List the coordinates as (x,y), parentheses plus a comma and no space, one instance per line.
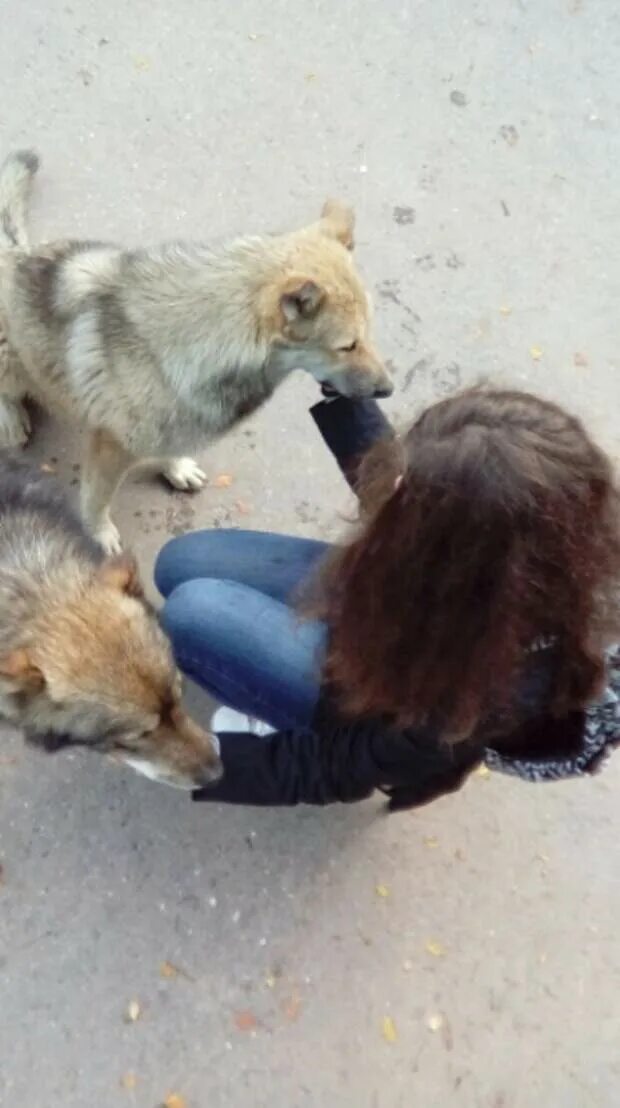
(133,1011)
(245,1020)
(536,353)
(223,481)
(382,891)
(434,1022)
(173,1100)
(47,468)
(431,842)
(388,1027)
(483,771)
(129,1081)
(169,971)
(580,360)
(435,948)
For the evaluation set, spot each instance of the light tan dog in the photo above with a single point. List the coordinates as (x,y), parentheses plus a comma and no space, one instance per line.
(162,349)
(83,660)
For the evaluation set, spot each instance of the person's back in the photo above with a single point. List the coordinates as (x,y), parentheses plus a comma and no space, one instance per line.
(490,566)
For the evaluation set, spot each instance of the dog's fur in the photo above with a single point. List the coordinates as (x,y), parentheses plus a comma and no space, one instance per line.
(158,350)
(82,658)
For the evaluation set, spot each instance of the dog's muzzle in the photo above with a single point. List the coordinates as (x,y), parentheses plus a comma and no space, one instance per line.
(330,393)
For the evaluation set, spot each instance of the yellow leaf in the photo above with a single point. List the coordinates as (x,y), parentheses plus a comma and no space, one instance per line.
(223,481)
(142,64)
(536,353)
(431,842)
(505,310)
(382,890)
(133,1011)
(168,970)
(483,771)
(388,1028)
(435,948)
(45,468)
(245,1020)
(310,76)
(270,981)
(434,1022)
(129,1081)
(173,1100)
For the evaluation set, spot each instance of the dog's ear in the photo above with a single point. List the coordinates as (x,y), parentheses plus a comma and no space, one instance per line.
(19,667)
(121,572)
(338,222)
(301,299)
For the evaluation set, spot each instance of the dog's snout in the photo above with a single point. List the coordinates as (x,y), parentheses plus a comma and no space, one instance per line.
(210,775)
(210,768)
(383,392)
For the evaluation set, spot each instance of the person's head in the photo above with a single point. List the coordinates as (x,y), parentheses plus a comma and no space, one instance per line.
(502,531)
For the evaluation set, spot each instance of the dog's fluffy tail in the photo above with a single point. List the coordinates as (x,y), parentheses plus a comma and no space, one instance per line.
(16,175)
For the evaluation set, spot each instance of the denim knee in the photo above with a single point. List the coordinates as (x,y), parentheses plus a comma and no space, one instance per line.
(183,610)
(165,563)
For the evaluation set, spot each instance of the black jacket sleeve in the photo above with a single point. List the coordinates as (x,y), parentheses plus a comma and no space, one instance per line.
(336,761)
(349,428)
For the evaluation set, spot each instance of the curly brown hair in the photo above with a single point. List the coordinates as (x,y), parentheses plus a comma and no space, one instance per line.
(503,533)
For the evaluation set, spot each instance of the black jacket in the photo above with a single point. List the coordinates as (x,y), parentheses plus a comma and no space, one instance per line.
(337,760)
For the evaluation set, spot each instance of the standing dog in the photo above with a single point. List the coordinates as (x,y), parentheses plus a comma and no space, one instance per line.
(159,349)
(82,658)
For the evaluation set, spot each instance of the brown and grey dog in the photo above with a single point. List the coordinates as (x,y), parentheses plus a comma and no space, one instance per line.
(82,658)
(157,350)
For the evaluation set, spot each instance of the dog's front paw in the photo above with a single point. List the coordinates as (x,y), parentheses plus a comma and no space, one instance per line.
(108,536)
(15,425)
(184,473)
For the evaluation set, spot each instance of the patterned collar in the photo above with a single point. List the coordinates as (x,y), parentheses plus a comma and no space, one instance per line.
(600,734)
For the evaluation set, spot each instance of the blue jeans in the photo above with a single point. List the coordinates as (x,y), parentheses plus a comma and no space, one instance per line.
(229,612)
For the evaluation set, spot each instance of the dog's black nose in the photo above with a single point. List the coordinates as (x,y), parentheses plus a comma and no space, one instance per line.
(380,394)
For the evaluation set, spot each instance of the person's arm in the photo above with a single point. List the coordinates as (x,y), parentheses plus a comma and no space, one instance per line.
(281,769)
(349,429)
(336,762)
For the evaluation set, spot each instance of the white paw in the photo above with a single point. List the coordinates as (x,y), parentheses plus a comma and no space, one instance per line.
(184,473)
(15,425)
(108,536)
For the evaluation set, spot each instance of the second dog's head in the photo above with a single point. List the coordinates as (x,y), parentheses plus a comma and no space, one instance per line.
(97,671)
(318,313)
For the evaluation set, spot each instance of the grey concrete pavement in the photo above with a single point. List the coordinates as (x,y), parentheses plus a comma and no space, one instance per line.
(479,143)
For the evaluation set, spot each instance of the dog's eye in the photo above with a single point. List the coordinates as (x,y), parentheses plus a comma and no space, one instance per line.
(349,348)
